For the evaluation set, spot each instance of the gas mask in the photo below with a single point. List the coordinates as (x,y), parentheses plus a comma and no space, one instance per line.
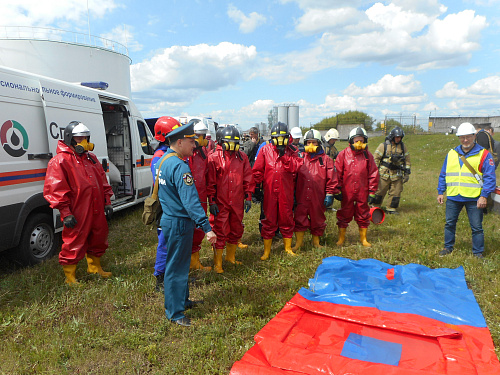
(280,141)
(359,145)
(311,148)
(201,141)
(230,146)
(83,146)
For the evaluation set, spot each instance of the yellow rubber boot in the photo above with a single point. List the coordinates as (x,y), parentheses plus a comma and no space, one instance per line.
(196,264)
(267,249)
(288,246)
(316,242)
(70,271)
(362,236)
(299,237)
(341,236)
(94,266)
(218,260)
(230,253)
(241,245)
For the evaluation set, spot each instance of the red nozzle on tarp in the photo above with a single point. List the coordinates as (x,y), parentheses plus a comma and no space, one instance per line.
(377,215)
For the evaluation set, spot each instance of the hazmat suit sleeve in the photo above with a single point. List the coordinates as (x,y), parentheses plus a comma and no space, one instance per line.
(212,178)
(248,180)
(258,168)
(339,166)
(57,190)
(332,184)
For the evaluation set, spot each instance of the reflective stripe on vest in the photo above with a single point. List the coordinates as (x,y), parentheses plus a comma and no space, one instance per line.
(459,180)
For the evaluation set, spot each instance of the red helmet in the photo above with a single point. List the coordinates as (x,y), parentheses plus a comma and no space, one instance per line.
(165,125)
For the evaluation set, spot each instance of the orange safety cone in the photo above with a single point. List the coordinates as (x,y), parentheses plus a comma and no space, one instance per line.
(377,215)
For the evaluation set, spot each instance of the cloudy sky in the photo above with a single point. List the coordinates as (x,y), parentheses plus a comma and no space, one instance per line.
(235,60)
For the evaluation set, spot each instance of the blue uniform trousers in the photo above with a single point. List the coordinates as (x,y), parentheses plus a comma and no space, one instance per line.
(161,254)
(178,235)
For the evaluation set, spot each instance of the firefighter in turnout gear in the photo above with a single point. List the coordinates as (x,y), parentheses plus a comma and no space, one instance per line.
(393,161)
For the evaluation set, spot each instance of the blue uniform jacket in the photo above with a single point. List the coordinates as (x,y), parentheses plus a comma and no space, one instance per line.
(487,168)
(177,192)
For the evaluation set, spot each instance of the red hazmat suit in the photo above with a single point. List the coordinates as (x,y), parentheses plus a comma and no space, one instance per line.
(230,182)
(358,177)
(277,173)
(76,185)
(198,163)
(315,178)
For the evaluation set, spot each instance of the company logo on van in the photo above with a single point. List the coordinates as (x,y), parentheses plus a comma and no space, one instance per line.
(14,138)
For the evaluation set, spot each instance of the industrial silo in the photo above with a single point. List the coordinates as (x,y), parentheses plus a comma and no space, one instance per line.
(283,114)
(293,116)
(68,56)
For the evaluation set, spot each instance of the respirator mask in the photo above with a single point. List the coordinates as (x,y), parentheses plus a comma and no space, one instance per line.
(359,145)
(201,141)
(83,146)
(230,146)
(311,148)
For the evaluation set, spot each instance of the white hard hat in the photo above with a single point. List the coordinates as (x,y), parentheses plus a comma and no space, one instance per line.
(358,132)
(81,130)
(296,132)
(331,134)
(200,128)
(313,134)
(466,128)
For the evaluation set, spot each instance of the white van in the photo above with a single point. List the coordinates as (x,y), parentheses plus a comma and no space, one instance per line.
(34,111)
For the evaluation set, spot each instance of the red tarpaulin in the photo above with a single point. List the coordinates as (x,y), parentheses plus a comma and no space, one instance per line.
(316,336)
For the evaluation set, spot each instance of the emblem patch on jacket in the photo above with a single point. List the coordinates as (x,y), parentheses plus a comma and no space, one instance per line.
(188,179)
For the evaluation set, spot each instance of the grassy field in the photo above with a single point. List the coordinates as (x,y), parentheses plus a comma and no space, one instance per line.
(118,326)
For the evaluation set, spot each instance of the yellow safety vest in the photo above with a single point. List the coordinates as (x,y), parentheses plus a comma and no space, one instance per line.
(459,180)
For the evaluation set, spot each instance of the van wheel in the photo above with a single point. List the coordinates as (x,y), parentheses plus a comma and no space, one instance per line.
(38,241)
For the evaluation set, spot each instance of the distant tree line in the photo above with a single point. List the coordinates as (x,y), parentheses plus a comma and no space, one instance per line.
(345,118)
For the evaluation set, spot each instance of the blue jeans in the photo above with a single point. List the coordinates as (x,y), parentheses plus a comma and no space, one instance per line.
(475,215)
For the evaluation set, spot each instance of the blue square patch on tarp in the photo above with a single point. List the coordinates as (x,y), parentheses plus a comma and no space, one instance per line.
(373,350)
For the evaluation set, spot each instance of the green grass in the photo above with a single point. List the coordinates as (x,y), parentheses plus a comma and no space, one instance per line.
(118,326)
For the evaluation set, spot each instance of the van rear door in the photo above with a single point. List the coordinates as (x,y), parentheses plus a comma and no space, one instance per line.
(64,103)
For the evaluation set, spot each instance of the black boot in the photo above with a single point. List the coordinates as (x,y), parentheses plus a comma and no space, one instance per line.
(159,283)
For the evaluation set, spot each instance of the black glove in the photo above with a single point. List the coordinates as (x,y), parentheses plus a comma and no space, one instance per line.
(69,221)
(108,211)
(248,205)
(214,210)
(338,196)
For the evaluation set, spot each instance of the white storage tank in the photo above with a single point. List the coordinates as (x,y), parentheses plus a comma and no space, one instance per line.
(293,116)
(68,56)
(283,114)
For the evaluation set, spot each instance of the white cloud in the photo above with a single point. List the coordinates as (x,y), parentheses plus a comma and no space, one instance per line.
(409,34)
(124,35)
(388,85)
(183,73)
(201,66)
(48,12)
(482,95)
(336,20)
(451,90)
(392,17)
(248,23)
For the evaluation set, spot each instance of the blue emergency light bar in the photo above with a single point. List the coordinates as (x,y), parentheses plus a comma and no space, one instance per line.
(96,85)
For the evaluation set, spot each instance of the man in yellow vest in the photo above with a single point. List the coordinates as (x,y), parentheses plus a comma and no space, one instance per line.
(468,178)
